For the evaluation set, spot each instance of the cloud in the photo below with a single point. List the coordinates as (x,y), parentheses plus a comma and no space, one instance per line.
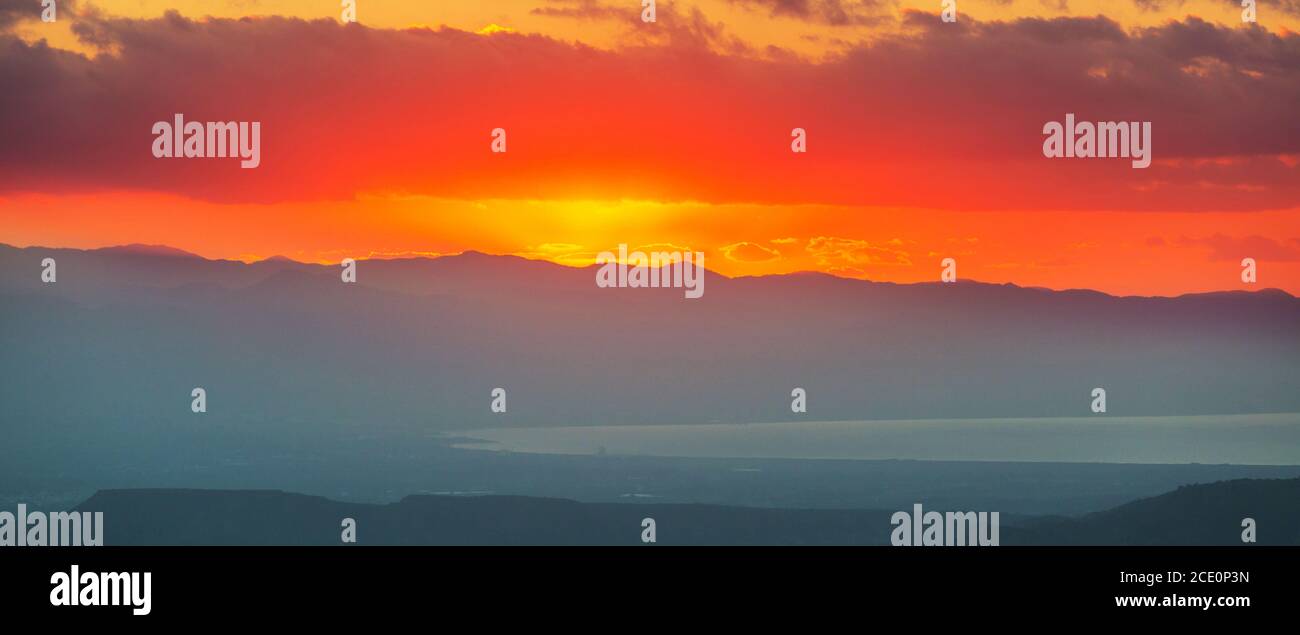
(1156,6)
(941,116)
(1233,248)
(578,255)
(1290,7)
(647,248)
(842,253)
(846,272)
(681,28)
(396,254)
(494,28)
(750,252)
(557,248)
(588,10)
(830,12)
(14,11)
(563,253)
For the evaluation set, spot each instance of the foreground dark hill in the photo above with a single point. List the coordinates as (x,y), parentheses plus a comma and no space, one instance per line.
(1194,515)
(1207,514)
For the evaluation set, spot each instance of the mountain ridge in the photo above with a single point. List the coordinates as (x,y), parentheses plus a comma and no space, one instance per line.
(422,342)
(472,256)
(1200,514)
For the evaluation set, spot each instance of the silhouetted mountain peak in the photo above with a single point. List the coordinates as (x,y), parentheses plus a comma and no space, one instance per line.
(140,249)
(1270,292)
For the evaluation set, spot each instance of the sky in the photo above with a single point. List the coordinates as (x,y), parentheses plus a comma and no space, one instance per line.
(924,138)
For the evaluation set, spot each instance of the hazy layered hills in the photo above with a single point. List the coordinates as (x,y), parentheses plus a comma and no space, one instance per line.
(1194,515)
(125,334)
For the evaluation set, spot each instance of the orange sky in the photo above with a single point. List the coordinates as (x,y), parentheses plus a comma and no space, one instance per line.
(924,138)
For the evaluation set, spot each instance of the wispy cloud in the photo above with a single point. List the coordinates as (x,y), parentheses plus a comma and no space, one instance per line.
(750,252)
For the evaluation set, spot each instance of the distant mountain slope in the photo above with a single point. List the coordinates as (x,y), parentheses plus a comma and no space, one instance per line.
(125,334)
(1207,514)
(207,517)
(1194,515)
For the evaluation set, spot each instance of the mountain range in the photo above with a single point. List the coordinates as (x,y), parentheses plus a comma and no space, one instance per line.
(1209,514)
(127,332)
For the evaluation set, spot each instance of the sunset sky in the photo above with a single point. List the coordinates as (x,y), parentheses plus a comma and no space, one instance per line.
(924,138)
